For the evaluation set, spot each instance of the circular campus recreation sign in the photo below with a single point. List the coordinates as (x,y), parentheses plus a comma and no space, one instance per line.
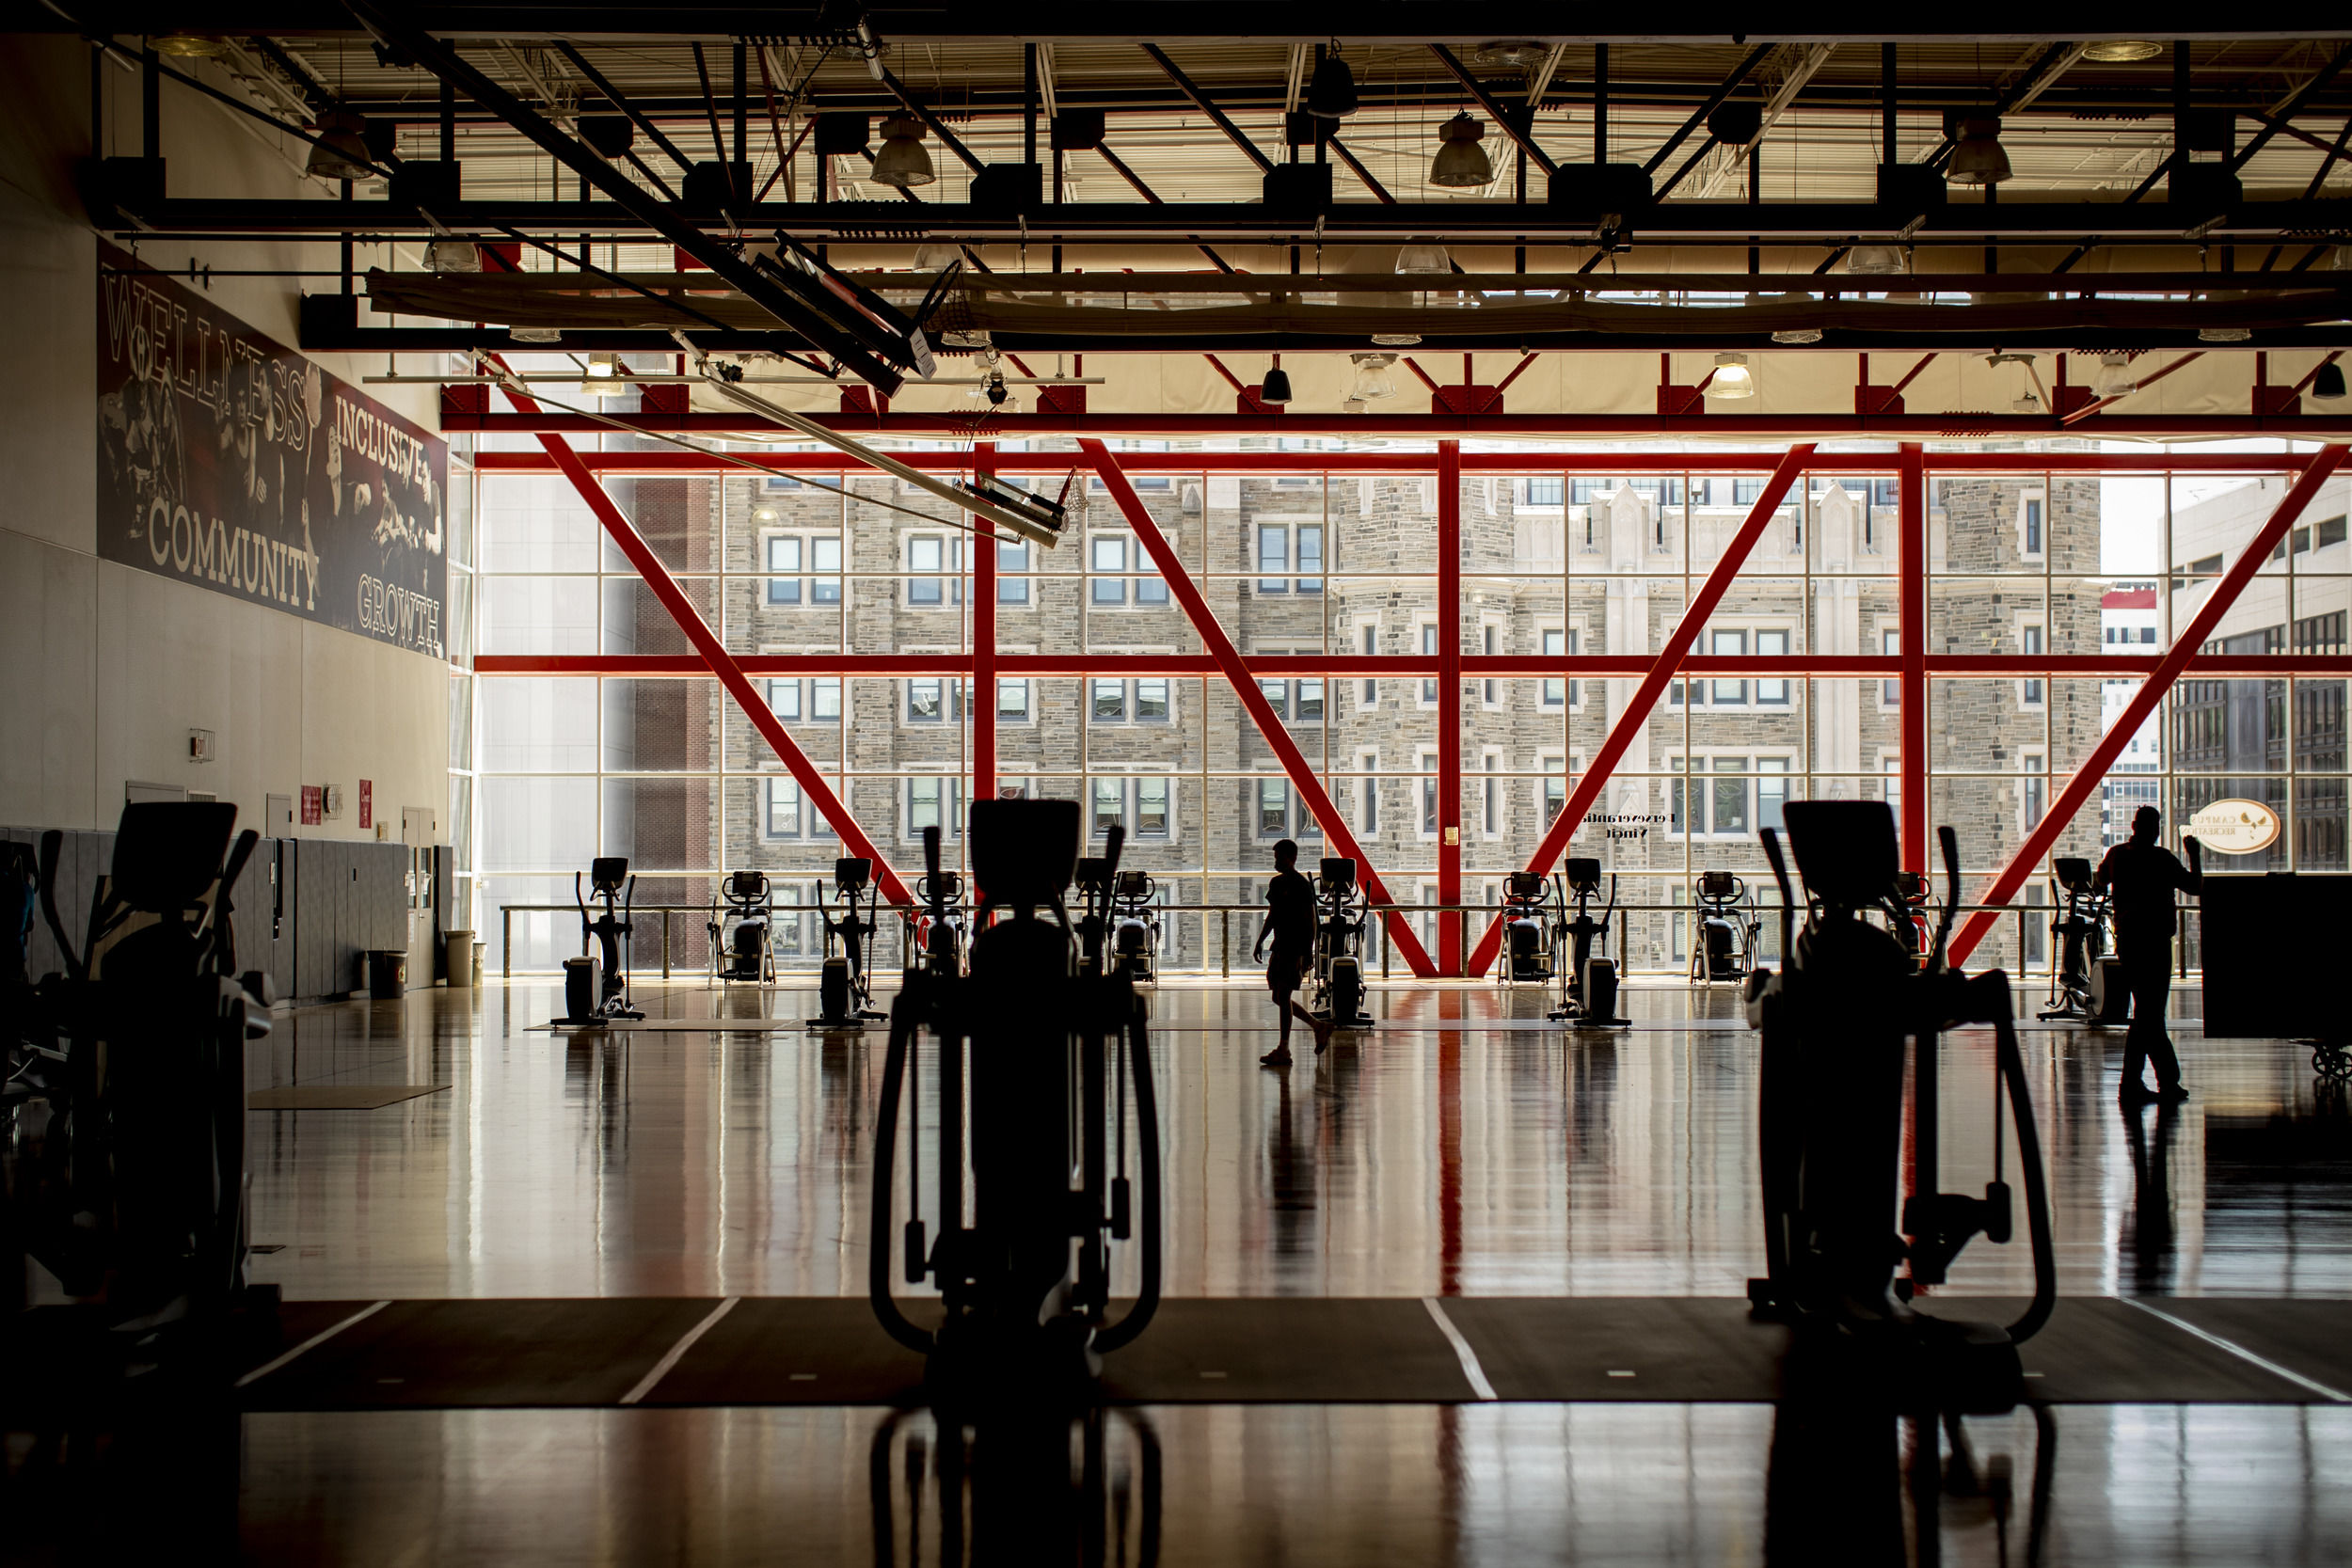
(2235,827)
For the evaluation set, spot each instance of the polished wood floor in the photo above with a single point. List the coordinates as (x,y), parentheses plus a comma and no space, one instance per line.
(1447,1154)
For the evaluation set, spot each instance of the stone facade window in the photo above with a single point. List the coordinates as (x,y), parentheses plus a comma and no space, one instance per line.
(790,814)
(1012,560)
(937,561)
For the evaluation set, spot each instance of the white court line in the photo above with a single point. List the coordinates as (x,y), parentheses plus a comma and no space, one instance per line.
(662,1368)
(1469,1358)
(2334,1396)
(314,1343)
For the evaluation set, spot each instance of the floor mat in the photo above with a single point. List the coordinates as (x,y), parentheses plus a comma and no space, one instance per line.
(1288,1350)
(337,1096)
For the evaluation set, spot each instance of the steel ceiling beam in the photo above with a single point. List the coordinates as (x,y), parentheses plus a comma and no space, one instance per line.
(1208,107)
(2144,702)
(445,62)
(1524,138)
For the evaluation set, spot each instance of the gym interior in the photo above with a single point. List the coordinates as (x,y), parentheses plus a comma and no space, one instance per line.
(841,786)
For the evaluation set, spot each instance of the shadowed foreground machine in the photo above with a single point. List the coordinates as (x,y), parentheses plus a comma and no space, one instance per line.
(1035,1057)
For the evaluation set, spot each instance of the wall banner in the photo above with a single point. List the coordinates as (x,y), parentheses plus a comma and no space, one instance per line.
(229,461)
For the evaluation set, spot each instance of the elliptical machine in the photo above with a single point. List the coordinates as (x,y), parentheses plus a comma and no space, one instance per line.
(125,1109)
(1833,1024)
(935,933)
(1342,913)
(596,987)
(1134,926)
(844,985)
(1034,1062)
(742,945)
(1588,985)
(1533,918)
(2078,987)
(1729,924)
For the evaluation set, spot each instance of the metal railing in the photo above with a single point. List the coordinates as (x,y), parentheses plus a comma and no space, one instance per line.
(2028,916)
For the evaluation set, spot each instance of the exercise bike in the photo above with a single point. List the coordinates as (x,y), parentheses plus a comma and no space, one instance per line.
(1134,920)
(2078,983)
(1342,915)
(1834,1025)
(742,931)
(1727,922)
(1034,1060)
(1589,981)
(596,986)
(935,929)
(844,985)
(124,1110)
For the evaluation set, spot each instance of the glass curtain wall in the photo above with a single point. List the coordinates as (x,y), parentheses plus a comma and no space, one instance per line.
(1557,563)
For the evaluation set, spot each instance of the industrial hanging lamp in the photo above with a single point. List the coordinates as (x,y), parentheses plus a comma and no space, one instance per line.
(1420,257)
(449,253)
(2115,375)
(2327,386)
(933,256)
(2123,51)
(1979,159)
(1275,390)
(1373,381)
(1461,162)
(189,46)
(341,152)
(1876,260)
(1732,377)
(1331,94)
(903,162)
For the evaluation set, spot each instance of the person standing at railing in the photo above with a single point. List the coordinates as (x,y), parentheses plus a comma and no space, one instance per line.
(1290,920)
(2140,876)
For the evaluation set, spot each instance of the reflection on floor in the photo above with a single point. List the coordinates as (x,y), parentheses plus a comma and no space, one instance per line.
(1436,1156)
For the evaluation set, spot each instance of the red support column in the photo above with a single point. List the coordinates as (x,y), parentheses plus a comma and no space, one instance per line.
(1911,562)
(1220,647)
(1661,669)
(983,698)
(2185,643)
(1449,781)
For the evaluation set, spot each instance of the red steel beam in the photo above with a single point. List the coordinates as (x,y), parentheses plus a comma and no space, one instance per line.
(2168,669)
(715,657)
(1987,666)
(1521,462)
(1449,779)
(1792,426)
(983,578)
(1911,614)
(1230,662)
(1661,669)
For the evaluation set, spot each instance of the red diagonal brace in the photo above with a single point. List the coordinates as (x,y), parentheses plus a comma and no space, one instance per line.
(1661,669)
(1229,659)
(2184,645)
(715,655)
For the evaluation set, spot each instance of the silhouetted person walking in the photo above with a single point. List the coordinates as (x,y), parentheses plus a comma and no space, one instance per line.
(1290,920)
(2141,875)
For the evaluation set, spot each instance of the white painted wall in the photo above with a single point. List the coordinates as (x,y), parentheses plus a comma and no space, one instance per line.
(104,669)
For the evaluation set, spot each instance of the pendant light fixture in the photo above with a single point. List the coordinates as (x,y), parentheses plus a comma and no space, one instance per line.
(1732,377)
(934,257)
(1275,390)
(2224,335)
(189,46)
(341,152)
(903,162)
(1373,381)
(1979,159)
(2327,386)
(1420,257)
(449,253)
(2115,375)
(603,378)
(2123,51)
(1876,260)
(1461,162)
(1331,94)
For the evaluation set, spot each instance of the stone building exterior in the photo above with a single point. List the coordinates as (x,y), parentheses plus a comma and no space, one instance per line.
(1553,565)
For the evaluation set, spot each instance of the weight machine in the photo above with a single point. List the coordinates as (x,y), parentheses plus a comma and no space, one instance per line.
(1034,1060)
(2078,982)
(1343,914)
(596,986)
(1728,927)
(742,931)
(845,986)
(1588,982)
(124,1105)
(1833,1024)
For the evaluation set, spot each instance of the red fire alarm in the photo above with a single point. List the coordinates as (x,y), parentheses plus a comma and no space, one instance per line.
(367,803)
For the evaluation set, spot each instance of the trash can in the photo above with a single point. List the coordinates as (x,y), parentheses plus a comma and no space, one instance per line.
(458,957)
(387,975)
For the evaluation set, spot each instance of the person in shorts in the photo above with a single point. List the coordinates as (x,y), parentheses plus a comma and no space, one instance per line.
(1290,921)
